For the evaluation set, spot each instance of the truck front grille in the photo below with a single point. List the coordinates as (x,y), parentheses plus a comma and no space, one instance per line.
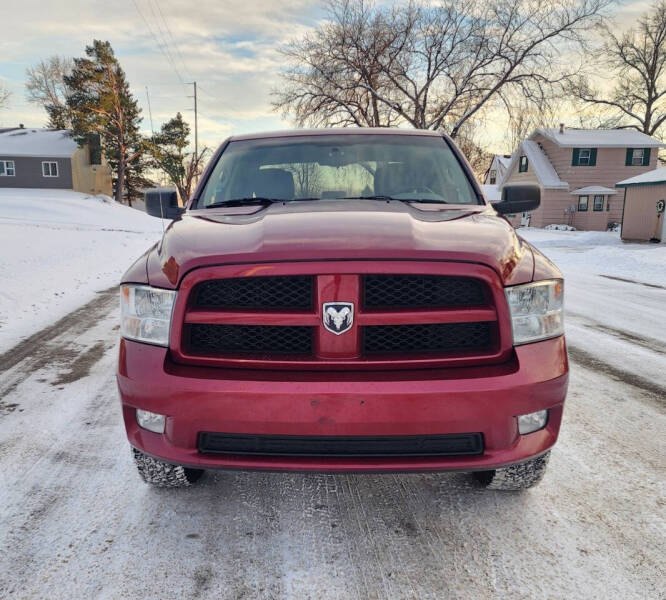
(399,319)
(250,339)
(437,337)
(353,446)
(432,291)
(256,292)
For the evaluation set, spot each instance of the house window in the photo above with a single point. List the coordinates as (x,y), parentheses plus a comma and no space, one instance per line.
(50,169)
(493,177)
(584,157)
(637,157)
(598,204)
(582,203)
(608,204)
(7,168)
(522,165)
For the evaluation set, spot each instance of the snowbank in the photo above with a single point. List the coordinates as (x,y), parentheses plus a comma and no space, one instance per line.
(600,253)
(57,249)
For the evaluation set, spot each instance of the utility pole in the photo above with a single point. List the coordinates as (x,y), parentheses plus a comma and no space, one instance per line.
(196,122)
(150,112)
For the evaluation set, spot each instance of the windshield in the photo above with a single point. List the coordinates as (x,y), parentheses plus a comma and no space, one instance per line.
(401,167)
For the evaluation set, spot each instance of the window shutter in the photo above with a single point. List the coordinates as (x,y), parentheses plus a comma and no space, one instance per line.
(575,157)
(630,153)
(593,157)
(646,157)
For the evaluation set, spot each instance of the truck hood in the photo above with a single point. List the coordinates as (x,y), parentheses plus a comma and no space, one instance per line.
(338,230)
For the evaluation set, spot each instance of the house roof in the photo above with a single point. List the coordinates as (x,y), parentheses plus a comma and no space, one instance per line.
(36,142)
(493,193)
(503,159)
(546,174)
(593,189)
(599,138)
(653,177)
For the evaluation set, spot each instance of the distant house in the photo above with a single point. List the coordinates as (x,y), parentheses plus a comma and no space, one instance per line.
(497,169)
(577,170)
(47,158)
(494,174)
(644,201)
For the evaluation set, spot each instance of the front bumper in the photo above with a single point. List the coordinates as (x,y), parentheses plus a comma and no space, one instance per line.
(373,403)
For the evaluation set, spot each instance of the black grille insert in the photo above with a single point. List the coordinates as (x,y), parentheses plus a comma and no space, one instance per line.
(270,293)
(265,445)
(439,337)
(383,291)
(250,339)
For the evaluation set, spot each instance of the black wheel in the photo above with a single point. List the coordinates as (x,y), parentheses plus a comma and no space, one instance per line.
(162,474)
(516,477)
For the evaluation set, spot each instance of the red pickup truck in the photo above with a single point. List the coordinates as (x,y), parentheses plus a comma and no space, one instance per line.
(342,300)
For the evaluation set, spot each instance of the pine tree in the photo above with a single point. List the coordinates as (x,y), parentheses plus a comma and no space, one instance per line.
(100,102)
(168,149)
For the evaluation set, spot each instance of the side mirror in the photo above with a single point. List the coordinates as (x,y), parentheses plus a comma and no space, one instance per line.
(518,198)
(163,203)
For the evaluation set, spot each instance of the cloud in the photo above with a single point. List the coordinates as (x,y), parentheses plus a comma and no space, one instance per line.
(229,48)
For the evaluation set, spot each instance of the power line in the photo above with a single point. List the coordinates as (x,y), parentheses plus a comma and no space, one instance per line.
(162,50)
(173,39)
(165,43)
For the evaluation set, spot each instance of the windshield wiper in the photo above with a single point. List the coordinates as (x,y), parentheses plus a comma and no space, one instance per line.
(262,201)
(384,197)
(424,200)
(377,197)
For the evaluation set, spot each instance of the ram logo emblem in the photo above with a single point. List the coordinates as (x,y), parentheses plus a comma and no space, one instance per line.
(338,316)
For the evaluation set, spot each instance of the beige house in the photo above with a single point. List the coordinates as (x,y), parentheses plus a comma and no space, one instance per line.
(577,170)
(51,159)
(497,169)
(644,200)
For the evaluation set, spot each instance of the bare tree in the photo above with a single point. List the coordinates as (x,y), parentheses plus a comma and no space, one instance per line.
(431,66)
(524,118)
(5,94)
(45,86)
(636,60)
(473,148)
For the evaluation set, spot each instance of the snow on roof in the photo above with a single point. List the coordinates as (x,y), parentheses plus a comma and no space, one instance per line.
(546,174)
(593,189)
(503,160)
(492,192)
(650,178)
(36,142)
(600,138)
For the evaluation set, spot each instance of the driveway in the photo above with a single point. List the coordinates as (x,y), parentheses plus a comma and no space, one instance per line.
(76,521)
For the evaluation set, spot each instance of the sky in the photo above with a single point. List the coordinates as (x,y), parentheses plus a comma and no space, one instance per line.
(230,47)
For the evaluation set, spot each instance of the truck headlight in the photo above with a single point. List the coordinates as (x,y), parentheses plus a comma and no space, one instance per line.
(537,310)
(145,313)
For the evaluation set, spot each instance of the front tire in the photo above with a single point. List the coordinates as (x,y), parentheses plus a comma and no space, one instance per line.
(162,474)
(515,477)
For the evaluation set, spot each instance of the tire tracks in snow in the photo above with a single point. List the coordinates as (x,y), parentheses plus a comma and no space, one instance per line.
(56,346)
(590,361)
(580,352)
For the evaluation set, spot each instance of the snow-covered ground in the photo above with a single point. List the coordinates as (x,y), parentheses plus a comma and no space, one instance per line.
(600,253)
(57,249)
(615,298)
(76,521)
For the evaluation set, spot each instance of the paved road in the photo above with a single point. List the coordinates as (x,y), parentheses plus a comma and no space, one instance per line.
(76,522)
